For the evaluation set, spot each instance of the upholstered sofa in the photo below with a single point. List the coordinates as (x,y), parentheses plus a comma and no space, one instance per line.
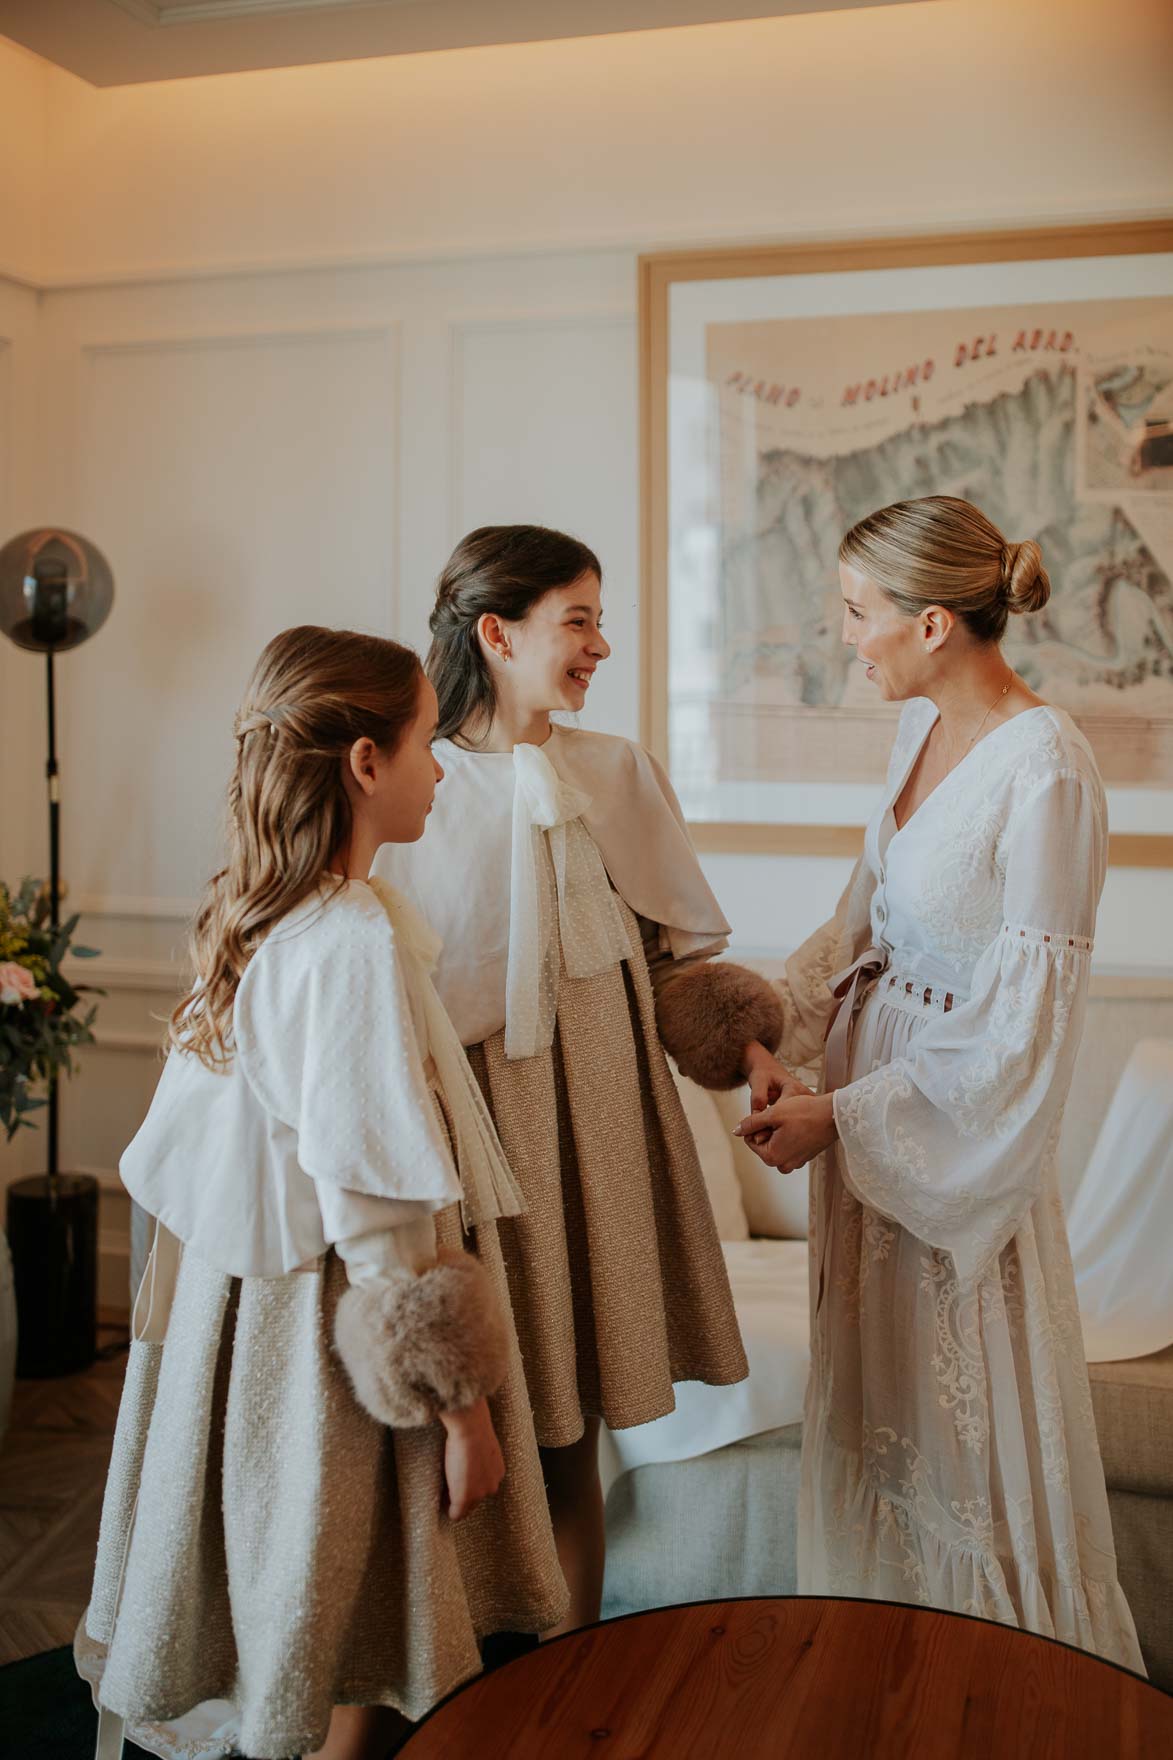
(722,1520)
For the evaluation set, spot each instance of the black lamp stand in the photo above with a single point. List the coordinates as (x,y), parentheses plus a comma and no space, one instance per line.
(53,1217)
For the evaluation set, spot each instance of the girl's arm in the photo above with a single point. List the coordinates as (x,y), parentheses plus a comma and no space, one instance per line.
(421,1335)
(715,1018)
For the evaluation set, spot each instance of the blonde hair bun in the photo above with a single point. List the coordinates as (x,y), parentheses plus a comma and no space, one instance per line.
(941,550)
(1025,581)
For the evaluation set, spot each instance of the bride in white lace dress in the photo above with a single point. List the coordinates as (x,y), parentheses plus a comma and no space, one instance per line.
(949,1445)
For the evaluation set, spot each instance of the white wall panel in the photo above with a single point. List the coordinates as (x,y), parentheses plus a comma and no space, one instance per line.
(544,429)
(22,754)
(237,485)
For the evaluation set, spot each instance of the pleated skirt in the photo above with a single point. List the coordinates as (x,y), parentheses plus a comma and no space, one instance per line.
(269,1550)
(616,1275)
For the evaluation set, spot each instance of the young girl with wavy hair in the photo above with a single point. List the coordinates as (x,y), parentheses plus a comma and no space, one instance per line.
(578,932)
(322,1386)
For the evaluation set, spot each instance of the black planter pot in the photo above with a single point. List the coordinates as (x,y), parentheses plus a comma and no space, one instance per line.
(53,1237)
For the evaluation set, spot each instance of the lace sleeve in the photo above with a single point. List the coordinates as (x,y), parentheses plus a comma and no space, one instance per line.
(950,1141)
(804,991)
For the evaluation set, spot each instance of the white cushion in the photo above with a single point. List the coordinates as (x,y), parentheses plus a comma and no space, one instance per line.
(715,1148)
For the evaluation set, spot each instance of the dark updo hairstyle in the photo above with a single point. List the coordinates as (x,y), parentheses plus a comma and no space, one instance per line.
(501,571)
(940,550)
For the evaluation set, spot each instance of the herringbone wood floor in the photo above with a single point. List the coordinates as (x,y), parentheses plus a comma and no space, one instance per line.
(52,1472)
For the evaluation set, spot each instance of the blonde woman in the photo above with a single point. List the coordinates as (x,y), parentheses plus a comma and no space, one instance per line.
(949,1449)
(319,1392)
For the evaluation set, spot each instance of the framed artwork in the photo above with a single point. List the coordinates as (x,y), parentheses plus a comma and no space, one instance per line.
(789,390)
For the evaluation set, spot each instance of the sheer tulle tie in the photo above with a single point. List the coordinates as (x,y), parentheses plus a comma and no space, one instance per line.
(560,896)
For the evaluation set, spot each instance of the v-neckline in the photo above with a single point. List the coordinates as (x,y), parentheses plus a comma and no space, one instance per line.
(918,752)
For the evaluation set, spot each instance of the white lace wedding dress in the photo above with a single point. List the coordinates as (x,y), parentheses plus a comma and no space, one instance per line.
(949,1448)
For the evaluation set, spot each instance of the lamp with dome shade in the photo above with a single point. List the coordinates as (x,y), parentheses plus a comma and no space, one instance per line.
(56,590)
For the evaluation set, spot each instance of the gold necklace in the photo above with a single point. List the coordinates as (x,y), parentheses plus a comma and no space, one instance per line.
(1002,693)
(972,740)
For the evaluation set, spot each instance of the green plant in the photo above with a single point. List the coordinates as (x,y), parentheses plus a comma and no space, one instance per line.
(42,1015)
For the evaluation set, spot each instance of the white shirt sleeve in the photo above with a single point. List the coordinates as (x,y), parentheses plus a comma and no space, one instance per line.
(376,1236)
(950,1140)
(326,1039)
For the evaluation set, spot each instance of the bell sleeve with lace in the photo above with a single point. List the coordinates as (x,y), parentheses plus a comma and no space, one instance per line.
(804,992)
(951,1140)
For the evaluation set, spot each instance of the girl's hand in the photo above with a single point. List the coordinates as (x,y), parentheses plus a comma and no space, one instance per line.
(791,1132)
(473,1463)
(768,1079)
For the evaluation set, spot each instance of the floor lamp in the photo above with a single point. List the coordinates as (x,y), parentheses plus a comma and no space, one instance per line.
(56,590)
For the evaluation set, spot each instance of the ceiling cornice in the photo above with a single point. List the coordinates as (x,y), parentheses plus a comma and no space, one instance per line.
(133,42)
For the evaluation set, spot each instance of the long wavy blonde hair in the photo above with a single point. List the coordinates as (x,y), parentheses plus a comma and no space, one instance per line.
(313,692)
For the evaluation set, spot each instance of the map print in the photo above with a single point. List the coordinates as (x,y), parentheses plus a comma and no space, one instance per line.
(1056,420)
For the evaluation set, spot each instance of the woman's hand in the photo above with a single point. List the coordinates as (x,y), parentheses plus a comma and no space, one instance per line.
(792,1131)
(768,1079)
(473,1464)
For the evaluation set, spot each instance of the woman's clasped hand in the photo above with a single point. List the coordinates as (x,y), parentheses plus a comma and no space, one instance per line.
(793,1129)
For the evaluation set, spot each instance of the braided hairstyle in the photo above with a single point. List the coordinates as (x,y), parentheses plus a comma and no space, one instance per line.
(312,694)
(501,571)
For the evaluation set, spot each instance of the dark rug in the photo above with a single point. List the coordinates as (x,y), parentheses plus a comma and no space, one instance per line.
(47,1712)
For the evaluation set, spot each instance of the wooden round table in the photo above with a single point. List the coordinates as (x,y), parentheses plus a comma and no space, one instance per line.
(800,1676)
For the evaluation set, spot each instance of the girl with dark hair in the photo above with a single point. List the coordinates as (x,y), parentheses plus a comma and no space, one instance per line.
(578,932)
(318,1381)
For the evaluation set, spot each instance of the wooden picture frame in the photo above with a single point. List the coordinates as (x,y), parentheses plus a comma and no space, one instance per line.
(1135,844)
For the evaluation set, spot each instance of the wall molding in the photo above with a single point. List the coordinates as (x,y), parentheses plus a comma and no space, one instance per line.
(114,1039)
(386,331)
(281,335)
(25,279)
(161,975)
(107,1178)
(489,323)
(8,418)
(134,906)
(855,227)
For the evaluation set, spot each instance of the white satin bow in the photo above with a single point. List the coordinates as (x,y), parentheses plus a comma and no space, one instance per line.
(559,892)
(488,1186)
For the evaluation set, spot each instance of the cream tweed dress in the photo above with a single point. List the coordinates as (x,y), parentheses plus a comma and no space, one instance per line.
(586,885)
(268,1549)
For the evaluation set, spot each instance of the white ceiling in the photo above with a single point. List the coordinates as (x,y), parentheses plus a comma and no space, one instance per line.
(124,42)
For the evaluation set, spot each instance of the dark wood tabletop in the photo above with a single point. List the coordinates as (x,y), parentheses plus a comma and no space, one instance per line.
(801,1676)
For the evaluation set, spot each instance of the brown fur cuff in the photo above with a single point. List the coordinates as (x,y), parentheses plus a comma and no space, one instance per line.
(710,1014)
(417,1346)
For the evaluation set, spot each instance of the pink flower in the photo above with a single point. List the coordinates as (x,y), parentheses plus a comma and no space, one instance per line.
(17,984)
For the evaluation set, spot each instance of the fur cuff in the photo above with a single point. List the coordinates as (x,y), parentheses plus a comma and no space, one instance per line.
(417,1346)
(709,1014)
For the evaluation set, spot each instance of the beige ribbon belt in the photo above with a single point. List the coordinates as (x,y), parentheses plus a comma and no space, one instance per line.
(850,987)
